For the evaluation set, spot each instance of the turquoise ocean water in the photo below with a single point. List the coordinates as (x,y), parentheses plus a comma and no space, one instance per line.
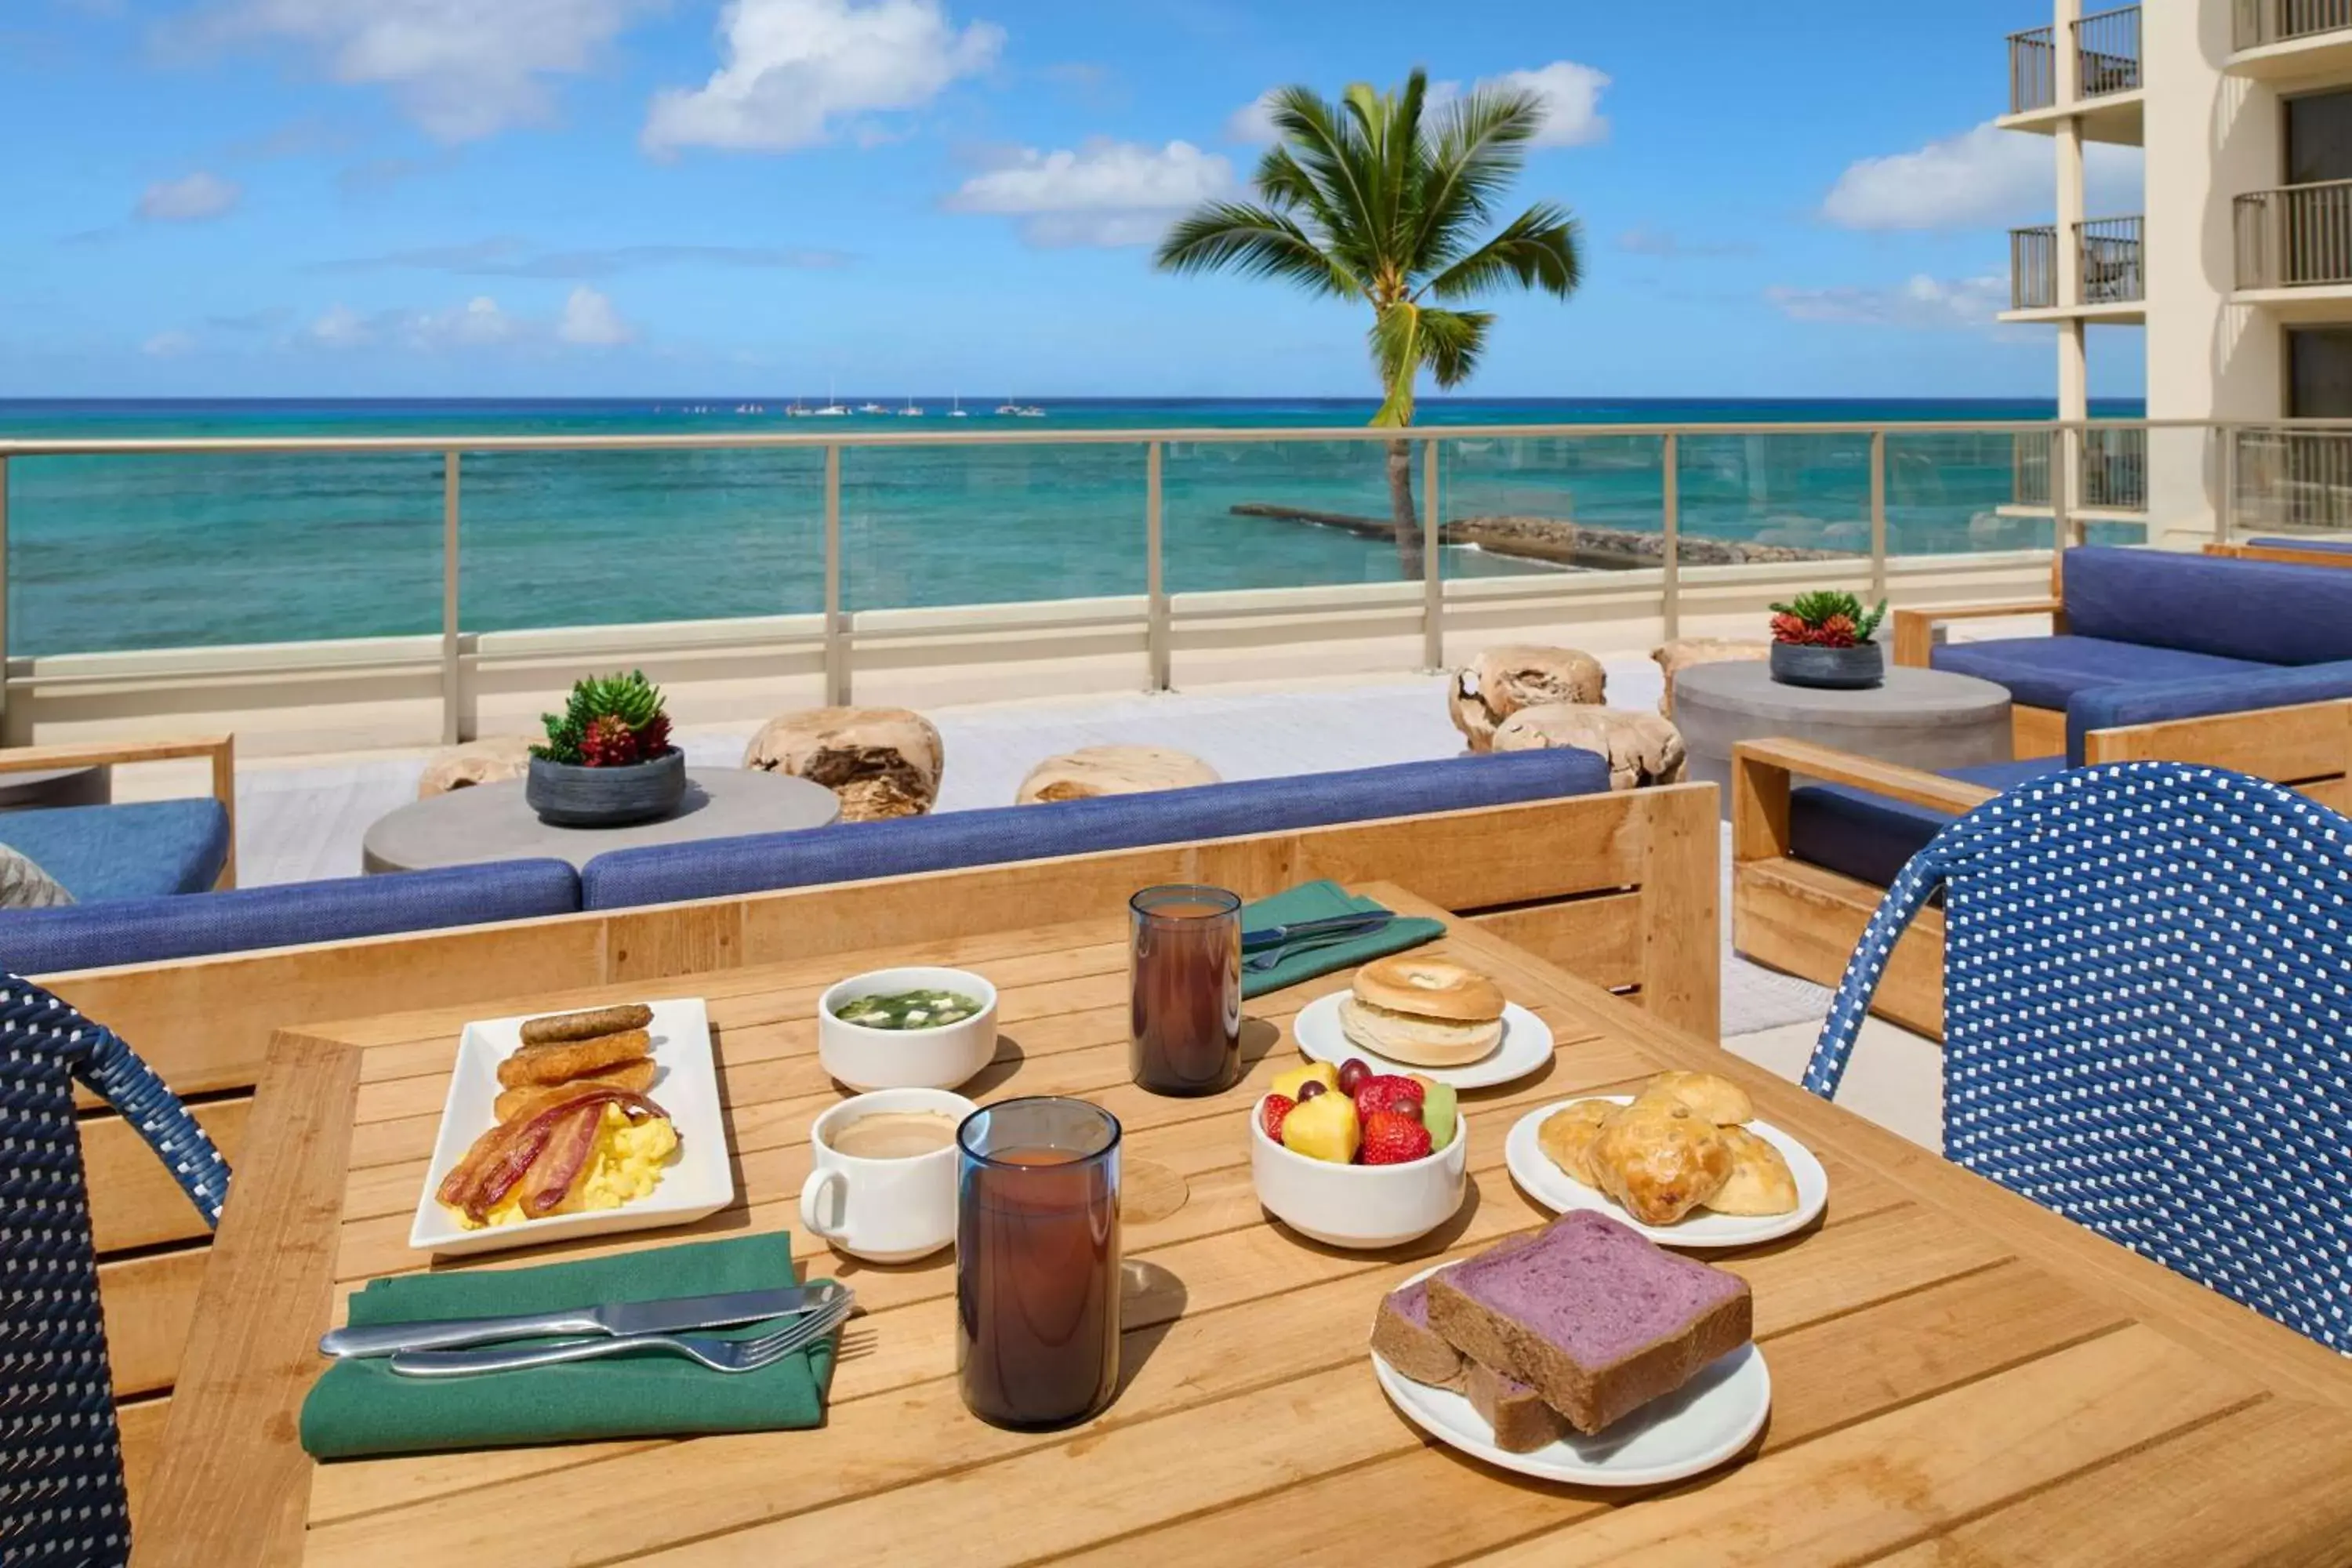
(147,552)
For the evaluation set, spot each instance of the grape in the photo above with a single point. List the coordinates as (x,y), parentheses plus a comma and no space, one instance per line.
(1310,1089)
(1352,1074)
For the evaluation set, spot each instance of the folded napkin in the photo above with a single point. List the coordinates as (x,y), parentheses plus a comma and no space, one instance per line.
(362,1406)
(1321,901)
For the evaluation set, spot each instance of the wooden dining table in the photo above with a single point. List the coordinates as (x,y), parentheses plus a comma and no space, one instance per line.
(1958,1375)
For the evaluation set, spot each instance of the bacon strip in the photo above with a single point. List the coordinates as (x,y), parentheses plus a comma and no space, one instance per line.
(499,1157)
(560,1163)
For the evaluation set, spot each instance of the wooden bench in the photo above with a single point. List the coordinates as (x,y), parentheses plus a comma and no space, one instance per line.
(1618,888)
(1806,919)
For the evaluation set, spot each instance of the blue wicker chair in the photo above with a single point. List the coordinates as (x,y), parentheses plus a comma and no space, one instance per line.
(61,1493)
(2147,1002)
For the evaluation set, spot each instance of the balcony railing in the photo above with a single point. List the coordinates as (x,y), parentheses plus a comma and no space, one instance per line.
(2032,70)
(2109,252)
(2115,469)
(2253,23)
(2293,479)
(2295,237)
(2033,267)
(2107,52)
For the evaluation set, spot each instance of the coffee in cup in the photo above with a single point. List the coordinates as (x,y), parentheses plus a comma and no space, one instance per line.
(883,1186)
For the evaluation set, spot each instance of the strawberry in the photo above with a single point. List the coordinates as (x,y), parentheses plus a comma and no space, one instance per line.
(1271,1114)
(1393,1137)
(1388,1091)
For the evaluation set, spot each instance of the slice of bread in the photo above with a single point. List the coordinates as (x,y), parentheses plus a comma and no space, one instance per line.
(1402,1337)
(1594,1316)
(1522,1421)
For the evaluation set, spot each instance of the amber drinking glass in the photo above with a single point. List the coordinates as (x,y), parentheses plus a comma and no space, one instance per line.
(1184,977)
(1037,1261)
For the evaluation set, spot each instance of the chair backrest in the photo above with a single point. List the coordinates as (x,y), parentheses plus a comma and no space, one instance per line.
(2262,611)
(2148,974)
(61,1487)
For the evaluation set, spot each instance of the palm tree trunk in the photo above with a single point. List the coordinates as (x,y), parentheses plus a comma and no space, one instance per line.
(1410,562)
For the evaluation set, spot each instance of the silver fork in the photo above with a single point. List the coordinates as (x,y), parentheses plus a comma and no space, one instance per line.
(718,1354)
(1275,957)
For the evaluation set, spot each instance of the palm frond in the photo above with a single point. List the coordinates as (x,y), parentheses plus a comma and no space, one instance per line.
(1325,141)
(1537,249)
(1398,352)
(1254,241)
(1450,342)
(1477,150)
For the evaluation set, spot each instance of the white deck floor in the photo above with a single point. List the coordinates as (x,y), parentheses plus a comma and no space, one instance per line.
(299,819)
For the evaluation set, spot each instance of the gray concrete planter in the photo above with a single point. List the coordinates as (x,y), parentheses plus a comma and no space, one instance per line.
(568,796)
(1834,668)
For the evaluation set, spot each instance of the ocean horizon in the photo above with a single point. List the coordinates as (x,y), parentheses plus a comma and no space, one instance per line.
(119,553)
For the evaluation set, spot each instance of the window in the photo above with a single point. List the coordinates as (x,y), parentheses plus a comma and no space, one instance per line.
(2319,138)
(2319,372)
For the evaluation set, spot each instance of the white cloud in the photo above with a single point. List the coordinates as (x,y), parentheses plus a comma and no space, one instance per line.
(193,199)
(478,322)
(169,346)
(1983,178)
(792,67)
(1106,193)
(1922,301)
(460,68)
(589,319)
(341,328)
(1570,92)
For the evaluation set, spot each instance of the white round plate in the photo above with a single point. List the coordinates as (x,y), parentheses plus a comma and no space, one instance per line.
(1558,1191)
(1699,1425)
(1527,1046)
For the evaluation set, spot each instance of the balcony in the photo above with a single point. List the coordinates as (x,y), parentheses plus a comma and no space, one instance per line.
(2295,248)
(2110,269)
(2290,37)
(2100,65)
(2293,479)
(2115,471)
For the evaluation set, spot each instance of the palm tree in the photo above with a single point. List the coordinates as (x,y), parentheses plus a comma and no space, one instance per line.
(1359,199)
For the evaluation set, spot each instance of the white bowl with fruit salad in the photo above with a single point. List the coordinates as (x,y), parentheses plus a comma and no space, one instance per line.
(1377,1162)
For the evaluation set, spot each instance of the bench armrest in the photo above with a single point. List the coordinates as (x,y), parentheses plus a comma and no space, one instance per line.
(221,749)
(1760,772)
(1915,630)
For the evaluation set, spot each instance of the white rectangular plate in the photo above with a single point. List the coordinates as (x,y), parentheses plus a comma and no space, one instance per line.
(700,1182)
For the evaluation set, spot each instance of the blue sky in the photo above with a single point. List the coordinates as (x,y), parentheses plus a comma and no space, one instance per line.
(491,197)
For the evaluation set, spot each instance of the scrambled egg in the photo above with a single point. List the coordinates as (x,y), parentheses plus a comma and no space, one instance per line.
(626,1165)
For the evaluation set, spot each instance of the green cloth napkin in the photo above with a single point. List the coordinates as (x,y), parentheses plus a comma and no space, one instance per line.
(1320,900)
(362,1406)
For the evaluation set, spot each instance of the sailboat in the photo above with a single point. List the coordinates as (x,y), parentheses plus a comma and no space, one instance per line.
(910,411)
(872,408)
(832,409)
(957,411)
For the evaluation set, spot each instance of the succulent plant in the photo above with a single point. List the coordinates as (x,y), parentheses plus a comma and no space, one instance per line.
(1825,619)
(611,722)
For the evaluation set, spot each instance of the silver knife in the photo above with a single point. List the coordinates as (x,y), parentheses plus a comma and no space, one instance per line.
(616,1318)
(1357,924)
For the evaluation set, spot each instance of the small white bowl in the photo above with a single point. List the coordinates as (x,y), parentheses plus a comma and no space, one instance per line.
(944,1057)
(1359,1207)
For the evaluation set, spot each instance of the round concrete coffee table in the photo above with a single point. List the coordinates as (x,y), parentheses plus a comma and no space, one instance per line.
(491,822)
(1925,719)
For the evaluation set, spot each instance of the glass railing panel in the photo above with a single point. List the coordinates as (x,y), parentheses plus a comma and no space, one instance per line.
(108,553)
(1955,492)
(1289,514)
(972,524)
(616,538)
(1523,505)
(1779,497)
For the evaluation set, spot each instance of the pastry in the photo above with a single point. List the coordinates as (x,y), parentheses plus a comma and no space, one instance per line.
(1424,1012)
(1594,1316)
(1718,1099)
(586,1025)
(562,1061)
(1760,1182)
(1659,1161)
(1566,1137)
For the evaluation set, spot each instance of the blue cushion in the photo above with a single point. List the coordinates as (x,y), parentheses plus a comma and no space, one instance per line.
(853,852)
(147,849)
(2150,701)
(144,931)
(1870,837)
(2268,611)
(2047,672)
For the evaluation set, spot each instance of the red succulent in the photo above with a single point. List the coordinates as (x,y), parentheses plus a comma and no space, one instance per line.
(609,742)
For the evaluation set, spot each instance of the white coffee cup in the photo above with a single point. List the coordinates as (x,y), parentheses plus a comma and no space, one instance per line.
(889,1210)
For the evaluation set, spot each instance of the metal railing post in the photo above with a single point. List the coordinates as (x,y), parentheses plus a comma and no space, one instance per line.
(452,671)
(836,640)
(2225,513)
(1670,526)
(1433,581)
(1155,582)
(1878,514)
(2061,487)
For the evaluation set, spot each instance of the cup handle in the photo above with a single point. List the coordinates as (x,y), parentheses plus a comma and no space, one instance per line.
(812,1203)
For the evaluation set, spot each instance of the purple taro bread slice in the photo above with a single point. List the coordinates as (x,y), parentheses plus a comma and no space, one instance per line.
(1402,1337)
(1522,1421)
(1595,1316)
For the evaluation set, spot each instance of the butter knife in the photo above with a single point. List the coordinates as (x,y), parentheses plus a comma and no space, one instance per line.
(1357,924)
(616,1318)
